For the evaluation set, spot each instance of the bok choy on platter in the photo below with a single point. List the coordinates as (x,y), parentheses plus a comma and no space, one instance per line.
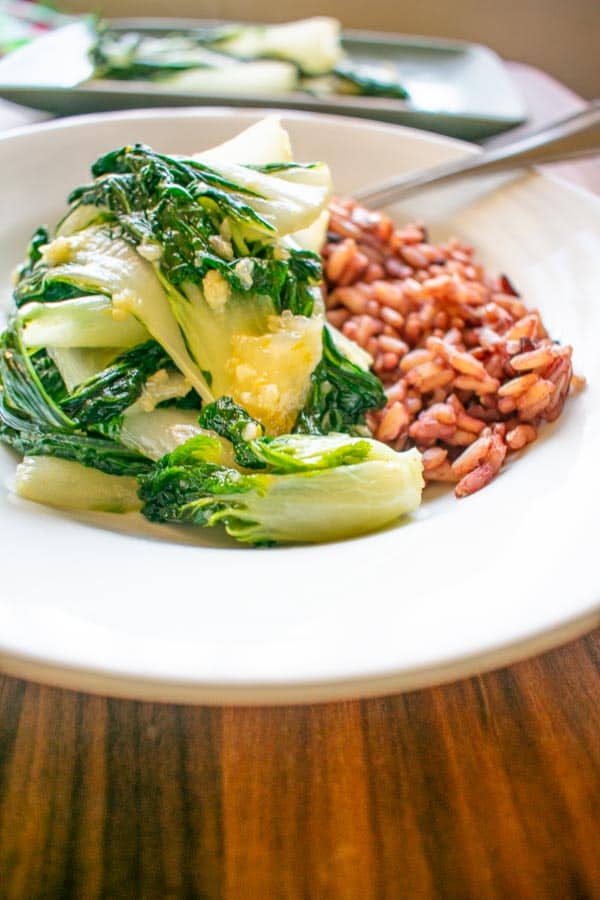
(242,60)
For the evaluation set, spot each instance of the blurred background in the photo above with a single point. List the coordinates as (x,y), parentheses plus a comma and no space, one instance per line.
(560,36)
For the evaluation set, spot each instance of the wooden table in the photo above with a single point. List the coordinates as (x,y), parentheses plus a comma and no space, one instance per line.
(486,788)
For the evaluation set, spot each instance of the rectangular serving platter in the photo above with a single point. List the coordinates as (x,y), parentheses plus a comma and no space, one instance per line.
(456,88)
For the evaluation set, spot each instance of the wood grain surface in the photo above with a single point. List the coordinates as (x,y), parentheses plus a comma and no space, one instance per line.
(487,788)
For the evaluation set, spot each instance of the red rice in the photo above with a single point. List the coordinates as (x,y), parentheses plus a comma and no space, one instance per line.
(470,372)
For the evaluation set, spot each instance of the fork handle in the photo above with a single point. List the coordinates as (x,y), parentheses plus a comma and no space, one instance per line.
(575,136)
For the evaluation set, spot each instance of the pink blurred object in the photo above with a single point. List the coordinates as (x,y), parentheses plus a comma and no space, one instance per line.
(21,21)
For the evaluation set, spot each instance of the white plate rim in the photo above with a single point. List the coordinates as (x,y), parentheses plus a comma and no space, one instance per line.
(146,688)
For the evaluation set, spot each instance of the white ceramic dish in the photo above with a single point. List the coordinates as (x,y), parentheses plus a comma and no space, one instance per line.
(114,605)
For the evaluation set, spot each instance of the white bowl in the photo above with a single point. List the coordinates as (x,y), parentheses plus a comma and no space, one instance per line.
(115,605)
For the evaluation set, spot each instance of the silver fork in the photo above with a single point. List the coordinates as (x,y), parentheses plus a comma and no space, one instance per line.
(573,137)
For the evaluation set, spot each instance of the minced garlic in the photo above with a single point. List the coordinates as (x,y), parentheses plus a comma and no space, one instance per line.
(57,252)
(244,269)
(221,246)
(216,290)
(251,431)
(150,251)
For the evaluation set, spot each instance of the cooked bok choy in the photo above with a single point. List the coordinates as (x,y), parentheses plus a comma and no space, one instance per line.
(58,482)
(309,488)
(177,304)
(306,55)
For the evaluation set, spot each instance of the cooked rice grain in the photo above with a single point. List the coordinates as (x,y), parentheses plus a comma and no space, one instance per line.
(470,372)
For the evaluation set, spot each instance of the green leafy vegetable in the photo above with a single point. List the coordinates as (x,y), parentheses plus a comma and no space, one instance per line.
(38,239)
(25,390)
(98,452)
(192,251)
(69,485)
(291,453)
(48,374)
(77,365)
(172,330)
(341,394)
(158,432)
(232,422)
(370,80)
(286,453)
(363,484)
(279,168)
(126,55)
(79,322)
(243,59)
(41,286)
(109,393)
(33,421)
(312,45)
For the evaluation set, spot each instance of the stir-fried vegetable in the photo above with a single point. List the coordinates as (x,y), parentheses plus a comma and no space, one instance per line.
(364,484)
(312,44)
(306,55)
(177,305)
(341,393)
(33,419)
(58,482)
